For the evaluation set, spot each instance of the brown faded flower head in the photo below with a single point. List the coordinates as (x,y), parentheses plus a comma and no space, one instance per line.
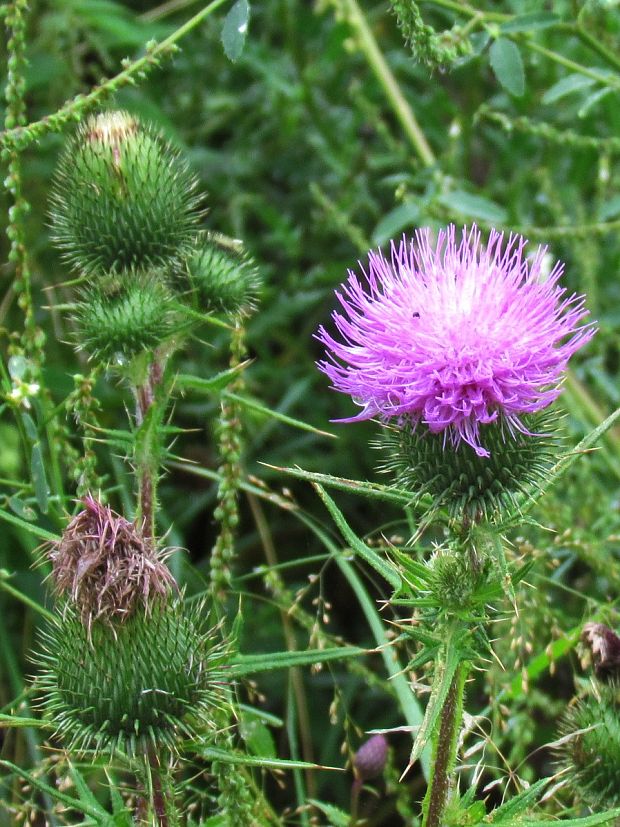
(604,645)
(106,567)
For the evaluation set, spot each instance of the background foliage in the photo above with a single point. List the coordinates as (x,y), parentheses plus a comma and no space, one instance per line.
(333,130)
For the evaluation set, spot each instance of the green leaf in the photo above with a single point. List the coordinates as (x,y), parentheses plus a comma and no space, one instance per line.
(566,86)
(251,405)
(586,821)
(30,427)
(39,477)
(366,489)
(473,206)
(610,209)
(214,383)
(256,735)
(235,29)
(445,671)
(85,794)
(592,100)
(21,508)
(14,721)
(519,803)
(530,22)
(336,816)
(231,757)
(31,529)
(243,665)
(397,675)
(56,795)
(402,216)
(360,548)
(507,65)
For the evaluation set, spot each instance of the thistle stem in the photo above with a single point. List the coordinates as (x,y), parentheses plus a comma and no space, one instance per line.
(147,463)
(444,752)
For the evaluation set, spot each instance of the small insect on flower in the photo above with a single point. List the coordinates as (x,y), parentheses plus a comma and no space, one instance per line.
(454,336)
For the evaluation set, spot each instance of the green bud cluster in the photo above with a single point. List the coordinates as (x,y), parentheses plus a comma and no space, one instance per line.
(140,685)
(589,749)
(224,277)
(124,199)
(467,486)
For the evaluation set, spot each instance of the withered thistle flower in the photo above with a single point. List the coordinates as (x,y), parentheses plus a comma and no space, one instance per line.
(106,567)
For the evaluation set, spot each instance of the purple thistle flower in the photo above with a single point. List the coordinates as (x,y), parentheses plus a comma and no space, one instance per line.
(455,336)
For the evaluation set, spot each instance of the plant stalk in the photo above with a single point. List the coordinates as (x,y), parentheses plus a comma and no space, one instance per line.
(444,751)
(146,466)
(385,76)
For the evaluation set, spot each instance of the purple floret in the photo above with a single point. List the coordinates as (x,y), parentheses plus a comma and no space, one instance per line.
(454,335)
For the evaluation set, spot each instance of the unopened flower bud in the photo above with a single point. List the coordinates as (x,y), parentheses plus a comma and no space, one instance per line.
(123,199)
(224,277)
(371,757)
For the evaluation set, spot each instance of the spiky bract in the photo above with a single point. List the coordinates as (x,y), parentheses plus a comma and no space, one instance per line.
(104,567)
(139,686)
(139,316)
(461,481)
(123,198)
(224,276)
(589,749)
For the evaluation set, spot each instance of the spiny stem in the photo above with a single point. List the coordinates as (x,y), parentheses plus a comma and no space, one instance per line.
(445,747)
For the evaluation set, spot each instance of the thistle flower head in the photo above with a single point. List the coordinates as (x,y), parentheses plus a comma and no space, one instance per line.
(224,276)
(589,747)
(106,568)
(140,315)
(123,198)
(454,336)
(141,686)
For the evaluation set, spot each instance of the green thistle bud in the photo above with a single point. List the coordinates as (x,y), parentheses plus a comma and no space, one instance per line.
(123,198)
(469,486)
(140,316)
(136,687)
(224,276)
(454,579)
(589,749)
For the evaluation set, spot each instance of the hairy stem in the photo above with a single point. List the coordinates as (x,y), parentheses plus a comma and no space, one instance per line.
(444,753)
